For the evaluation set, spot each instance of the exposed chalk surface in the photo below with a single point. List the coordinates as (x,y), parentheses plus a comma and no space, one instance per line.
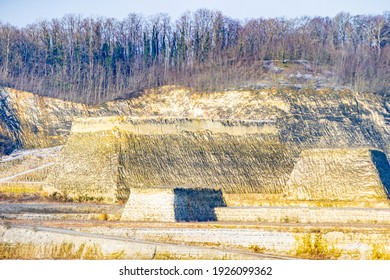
(303,214)
(340,174)
(131,249)
(105,158)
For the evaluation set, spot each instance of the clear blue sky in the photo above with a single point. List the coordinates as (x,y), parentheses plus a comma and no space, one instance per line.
(23,12)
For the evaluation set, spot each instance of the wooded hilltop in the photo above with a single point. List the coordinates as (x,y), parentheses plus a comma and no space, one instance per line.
(95,59)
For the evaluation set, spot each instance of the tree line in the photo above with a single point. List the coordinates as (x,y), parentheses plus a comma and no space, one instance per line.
(93,59)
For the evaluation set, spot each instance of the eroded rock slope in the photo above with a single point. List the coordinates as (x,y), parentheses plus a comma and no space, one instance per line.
(306,118)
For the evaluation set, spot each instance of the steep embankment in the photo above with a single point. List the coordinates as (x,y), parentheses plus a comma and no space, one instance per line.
(340,174)
(109,156)
(307,118)
(31,121)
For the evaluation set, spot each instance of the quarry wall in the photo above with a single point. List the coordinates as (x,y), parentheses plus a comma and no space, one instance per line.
(307,118)
(251,146)
(340,174)
(107,157)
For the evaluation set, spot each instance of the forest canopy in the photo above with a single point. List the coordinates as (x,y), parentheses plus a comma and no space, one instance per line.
(94,59)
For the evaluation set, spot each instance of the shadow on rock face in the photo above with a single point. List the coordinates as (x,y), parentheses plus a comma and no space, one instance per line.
(9,124)
(383,167)
(7,146)
(197,205)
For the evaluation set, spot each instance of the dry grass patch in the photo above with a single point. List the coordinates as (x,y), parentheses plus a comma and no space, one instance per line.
(20,188)
(379,253)
(64,251)
(314,246)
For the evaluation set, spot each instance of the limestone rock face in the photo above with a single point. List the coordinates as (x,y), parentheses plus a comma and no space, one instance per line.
(251,148)
(305,118)
(106,157)
(31,121)
(87,168)
(340,174)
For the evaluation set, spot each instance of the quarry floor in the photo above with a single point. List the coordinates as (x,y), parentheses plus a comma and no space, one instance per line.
(29,221)
(63,230)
